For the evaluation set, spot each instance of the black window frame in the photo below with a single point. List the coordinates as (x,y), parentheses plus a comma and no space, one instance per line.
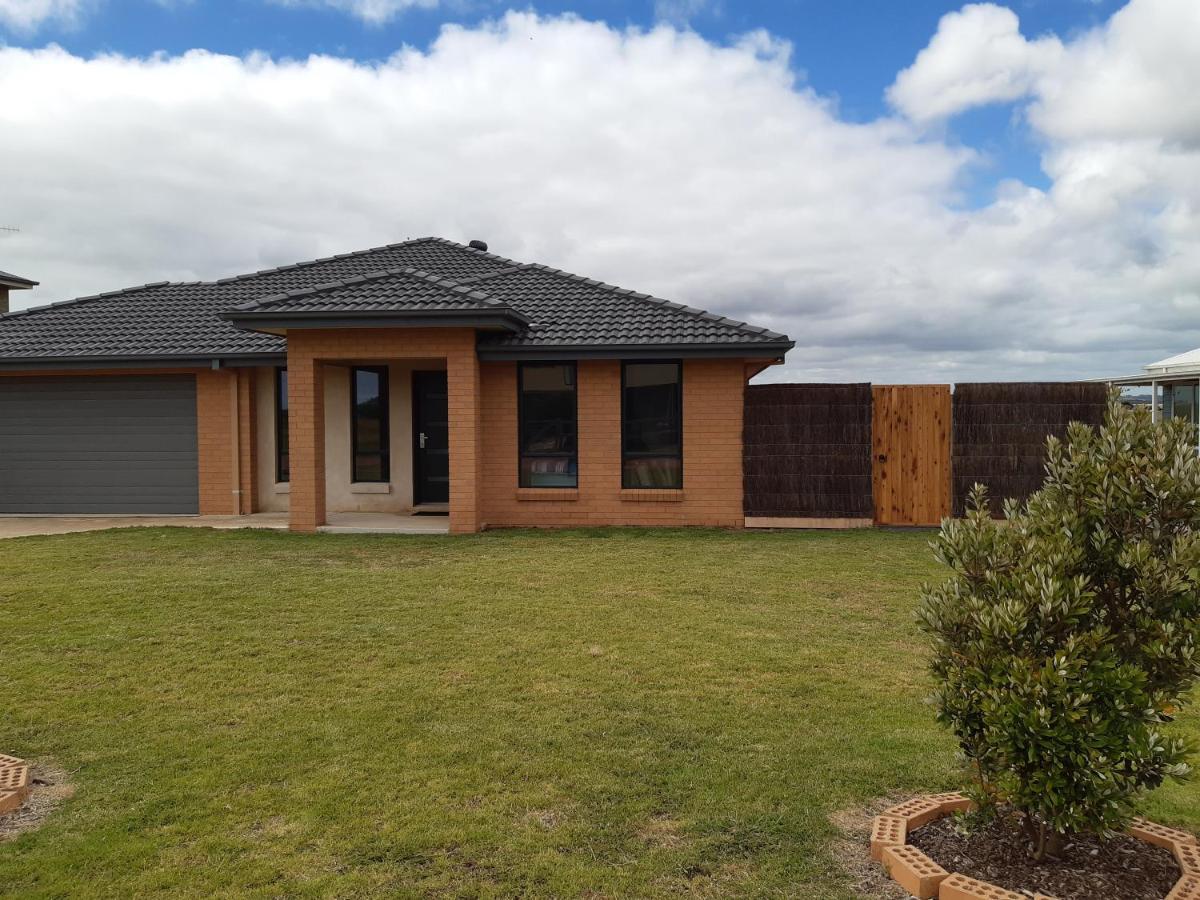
(522,454)
(283,459)
(625,454)
(385,425)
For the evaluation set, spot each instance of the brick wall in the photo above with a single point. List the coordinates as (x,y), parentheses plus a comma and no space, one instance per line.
(483,436)
(712,453)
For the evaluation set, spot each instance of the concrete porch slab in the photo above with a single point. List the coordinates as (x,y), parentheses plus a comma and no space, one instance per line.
(384,523)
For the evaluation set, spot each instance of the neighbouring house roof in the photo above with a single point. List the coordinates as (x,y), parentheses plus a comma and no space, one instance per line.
(8,280)
(523,310)
(1180,366)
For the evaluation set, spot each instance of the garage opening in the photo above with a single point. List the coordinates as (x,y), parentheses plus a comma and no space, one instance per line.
(99,445)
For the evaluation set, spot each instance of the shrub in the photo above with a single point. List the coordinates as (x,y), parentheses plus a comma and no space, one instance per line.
(1065,636)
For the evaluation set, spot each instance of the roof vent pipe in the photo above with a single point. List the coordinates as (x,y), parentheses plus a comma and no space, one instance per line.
(478,245)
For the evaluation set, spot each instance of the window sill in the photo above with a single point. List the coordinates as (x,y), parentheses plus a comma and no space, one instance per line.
(283,487)
(652,495)
(370,487)
(548,494)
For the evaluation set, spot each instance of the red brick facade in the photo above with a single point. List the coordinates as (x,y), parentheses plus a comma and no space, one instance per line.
(484,487)
(712,453)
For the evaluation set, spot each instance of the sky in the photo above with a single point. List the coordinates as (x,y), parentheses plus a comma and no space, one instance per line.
(914,191)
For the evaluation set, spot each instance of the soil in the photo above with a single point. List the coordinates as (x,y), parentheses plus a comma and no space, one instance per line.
(1120,868)
(49,787)
(851,847)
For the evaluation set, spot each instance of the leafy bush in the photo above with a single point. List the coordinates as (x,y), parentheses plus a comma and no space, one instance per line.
(1066,635)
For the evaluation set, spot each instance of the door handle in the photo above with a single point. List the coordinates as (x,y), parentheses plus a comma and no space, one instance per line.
(422,440)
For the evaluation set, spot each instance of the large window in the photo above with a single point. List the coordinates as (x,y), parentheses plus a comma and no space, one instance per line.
(282,463)
(1179,402)
(652,425)
(548,425)
(369,424)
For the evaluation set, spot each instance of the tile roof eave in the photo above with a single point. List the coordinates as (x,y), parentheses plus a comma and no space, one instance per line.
(725,349)
(139,361)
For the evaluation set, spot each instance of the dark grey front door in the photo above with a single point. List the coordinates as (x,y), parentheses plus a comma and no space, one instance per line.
(112,445)
(431,438)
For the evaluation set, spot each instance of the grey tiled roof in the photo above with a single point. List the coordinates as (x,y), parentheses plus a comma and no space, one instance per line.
(392,290)
(173,320)
(153,321)
(567,310)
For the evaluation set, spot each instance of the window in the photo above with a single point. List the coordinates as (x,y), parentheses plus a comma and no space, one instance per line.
(282,466)
(652,425)
(548,425)
(369,424)
(1179,402)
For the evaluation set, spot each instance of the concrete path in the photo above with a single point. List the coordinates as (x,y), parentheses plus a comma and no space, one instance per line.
(346,523)
(26,526)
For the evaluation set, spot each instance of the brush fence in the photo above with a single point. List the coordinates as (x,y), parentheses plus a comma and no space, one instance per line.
(809,456)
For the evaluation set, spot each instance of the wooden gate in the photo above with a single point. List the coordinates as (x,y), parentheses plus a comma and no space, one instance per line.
(910,444)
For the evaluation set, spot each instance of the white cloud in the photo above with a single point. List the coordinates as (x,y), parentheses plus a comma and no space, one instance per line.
(655,160)
(978,56)
(27,16)
(681,12)
(373,12)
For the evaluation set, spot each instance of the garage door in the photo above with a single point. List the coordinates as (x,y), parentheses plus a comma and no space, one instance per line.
(98,445)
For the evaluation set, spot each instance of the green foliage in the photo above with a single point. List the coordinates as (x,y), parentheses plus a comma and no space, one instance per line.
(1066,635)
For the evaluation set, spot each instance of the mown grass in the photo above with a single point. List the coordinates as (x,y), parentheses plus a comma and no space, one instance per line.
(592,713)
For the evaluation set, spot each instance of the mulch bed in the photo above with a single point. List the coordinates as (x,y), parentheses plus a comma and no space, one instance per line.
(50,787)
(1122,868)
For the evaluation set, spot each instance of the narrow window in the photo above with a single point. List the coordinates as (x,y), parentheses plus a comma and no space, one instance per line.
(282,468)
(548,425)
(652,425)
(369,424)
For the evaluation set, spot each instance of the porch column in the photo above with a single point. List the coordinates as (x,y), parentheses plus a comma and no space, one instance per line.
(1153,401)
(306,441)
(462,382)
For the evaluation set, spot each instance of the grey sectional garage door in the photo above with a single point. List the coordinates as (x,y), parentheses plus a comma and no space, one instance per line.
(110,445)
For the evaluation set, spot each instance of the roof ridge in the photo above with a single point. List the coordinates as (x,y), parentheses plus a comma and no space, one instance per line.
(88,298)
(449,284)
(476,251)
(325,259)
(757,330)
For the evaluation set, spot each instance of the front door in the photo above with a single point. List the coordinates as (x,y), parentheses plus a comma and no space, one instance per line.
(431,438)
(910,436)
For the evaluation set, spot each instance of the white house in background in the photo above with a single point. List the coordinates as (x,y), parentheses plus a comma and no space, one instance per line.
(1174,385)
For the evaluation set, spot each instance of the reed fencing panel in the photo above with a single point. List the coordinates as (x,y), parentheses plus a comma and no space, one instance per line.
(1000,430)
(808,451)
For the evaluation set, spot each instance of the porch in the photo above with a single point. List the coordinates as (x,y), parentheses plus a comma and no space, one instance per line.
(380,432)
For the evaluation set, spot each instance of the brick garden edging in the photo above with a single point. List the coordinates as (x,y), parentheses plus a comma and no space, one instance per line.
(14,783)
(925,879)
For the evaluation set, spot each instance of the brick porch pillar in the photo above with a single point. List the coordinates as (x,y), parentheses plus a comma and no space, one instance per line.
(462,382)
(306,441)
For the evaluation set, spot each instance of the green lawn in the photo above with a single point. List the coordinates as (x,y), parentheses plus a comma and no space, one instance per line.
(607,713)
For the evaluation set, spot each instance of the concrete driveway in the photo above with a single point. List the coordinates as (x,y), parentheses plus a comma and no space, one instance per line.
(339,523)
(26,526)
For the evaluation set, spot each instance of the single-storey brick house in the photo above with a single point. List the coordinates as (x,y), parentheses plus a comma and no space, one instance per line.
(420,376)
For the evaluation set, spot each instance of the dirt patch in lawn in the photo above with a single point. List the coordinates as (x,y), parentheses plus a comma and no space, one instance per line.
(852,850)
(1121,868)
(50,786)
